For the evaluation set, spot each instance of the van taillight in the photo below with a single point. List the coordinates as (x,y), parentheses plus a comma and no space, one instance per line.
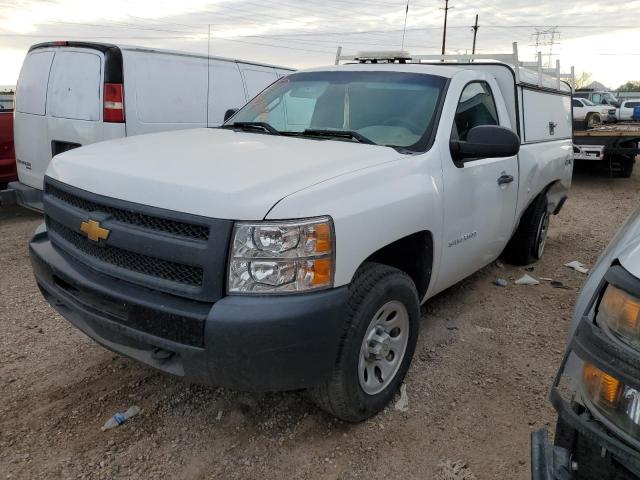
(113,103)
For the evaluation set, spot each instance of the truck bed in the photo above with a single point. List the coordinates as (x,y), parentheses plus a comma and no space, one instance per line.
(615,130)
(617,145)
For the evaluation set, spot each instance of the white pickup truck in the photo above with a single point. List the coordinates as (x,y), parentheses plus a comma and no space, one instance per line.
(292,247)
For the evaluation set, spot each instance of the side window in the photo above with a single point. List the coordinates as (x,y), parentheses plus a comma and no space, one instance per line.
(576,103)
(597,98)
(475,107)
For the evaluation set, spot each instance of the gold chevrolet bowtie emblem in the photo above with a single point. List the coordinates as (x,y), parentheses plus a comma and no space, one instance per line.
(94,231)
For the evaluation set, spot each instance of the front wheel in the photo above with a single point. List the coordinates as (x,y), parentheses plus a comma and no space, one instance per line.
(377,345)
(593,120)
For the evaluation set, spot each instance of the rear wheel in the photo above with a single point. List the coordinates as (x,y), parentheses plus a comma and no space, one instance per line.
(377,345)
(626,167)
(527,244)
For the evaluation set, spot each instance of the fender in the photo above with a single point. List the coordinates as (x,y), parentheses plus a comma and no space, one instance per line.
(374,207)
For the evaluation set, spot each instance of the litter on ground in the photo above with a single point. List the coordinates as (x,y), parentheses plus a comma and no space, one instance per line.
(402,405)
(527,280)
(577,266)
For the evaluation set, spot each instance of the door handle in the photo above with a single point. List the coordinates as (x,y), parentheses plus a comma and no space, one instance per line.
(504,179)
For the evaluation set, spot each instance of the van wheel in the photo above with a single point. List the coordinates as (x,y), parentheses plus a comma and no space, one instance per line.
(527,244)
(376,347)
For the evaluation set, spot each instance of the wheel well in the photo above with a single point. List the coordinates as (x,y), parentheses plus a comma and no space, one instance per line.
(413,255)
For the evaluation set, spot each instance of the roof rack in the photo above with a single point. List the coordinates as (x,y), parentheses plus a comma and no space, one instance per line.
(526,72)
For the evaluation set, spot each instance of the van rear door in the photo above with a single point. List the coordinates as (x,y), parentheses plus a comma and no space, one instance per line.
(32,146)
(59,103)
(74,101)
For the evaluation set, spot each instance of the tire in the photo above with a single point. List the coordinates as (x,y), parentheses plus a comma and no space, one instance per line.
(626,167)
(527,244)
(375,287)
(592,120)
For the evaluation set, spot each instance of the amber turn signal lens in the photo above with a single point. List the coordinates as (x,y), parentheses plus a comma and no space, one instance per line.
(320,271)
(323,238)
(621,313)
(601,386)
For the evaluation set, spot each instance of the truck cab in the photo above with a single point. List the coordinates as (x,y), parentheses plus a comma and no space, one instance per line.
(291,247)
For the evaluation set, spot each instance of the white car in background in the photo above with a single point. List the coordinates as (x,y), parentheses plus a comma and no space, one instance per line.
(625,112)
(584,110)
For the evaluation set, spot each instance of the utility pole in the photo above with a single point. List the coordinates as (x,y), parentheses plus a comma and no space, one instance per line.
(552,42)
(475,32)
(546,38)
(444,32)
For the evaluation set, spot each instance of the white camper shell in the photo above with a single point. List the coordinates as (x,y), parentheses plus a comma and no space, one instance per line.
(71,94)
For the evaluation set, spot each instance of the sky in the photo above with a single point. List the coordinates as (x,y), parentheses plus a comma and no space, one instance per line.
(602,38)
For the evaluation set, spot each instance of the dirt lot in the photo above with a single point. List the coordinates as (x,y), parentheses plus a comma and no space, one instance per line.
(477,386)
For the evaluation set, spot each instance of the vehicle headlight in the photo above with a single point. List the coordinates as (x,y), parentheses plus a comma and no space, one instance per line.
(616,401)
(281,257)
(619,312)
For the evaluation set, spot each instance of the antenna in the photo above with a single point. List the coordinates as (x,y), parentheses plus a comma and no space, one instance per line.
(208,68)
(404,29)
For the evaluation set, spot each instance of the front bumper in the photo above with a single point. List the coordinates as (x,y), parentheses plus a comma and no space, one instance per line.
(594,445)
(26,196)
(8,172)
(262,343)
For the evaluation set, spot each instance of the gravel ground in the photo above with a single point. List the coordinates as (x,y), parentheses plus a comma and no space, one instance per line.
(477,387)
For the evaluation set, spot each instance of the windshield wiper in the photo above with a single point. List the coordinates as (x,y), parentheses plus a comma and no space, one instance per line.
(252,126)
(317,132)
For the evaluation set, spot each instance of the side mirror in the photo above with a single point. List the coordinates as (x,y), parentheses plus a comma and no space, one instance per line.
(229,113)
(485,141)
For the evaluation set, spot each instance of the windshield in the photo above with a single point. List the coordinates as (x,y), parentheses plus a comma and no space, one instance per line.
(395,109)
(588,102)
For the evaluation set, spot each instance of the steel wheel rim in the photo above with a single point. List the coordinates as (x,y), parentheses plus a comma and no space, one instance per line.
(543,231)
(383,347)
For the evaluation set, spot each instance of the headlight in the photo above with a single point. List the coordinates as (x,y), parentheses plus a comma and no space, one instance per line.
(281,257)
(616,401)
(620,313)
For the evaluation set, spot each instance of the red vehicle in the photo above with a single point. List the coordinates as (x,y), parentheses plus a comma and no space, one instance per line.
(7,153)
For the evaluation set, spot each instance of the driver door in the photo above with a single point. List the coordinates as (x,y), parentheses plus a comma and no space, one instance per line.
(480,196)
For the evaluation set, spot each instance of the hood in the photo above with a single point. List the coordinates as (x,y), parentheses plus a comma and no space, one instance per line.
(211,172)
(628,249)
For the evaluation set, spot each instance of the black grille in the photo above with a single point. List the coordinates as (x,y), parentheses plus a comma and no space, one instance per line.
(156,267)
(174,227)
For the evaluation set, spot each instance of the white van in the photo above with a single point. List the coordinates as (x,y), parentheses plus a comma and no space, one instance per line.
(71,94)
